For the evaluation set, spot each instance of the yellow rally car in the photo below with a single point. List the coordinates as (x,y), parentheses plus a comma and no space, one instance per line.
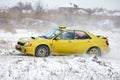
(64,41)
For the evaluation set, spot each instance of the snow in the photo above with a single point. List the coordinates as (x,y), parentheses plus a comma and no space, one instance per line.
(101,13)
(113,42)
(81,12)
(26,11)
(106,13)
(116,14)
(56,68)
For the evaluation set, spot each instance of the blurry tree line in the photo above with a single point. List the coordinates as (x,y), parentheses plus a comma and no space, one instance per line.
(70,16)
(22,10)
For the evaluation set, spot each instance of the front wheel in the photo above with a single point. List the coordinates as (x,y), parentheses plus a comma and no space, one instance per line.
(42,51)
(94,51)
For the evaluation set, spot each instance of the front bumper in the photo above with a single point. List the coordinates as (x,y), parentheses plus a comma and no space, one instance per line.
(18,47)
(25,49)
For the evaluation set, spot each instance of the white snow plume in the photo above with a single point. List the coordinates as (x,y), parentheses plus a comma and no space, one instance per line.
(114,42)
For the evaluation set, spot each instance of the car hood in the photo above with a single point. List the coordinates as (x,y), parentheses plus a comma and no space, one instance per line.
(26,39)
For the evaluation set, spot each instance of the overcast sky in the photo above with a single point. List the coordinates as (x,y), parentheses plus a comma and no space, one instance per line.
(108,4)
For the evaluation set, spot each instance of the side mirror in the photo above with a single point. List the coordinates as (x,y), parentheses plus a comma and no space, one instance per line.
(57,38)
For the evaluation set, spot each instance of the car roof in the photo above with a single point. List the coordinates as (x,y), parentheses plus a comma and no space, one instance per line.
(71,28)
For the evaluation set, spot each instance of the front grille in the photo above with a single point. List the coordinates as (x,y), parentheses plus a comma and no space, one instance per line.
(22,44)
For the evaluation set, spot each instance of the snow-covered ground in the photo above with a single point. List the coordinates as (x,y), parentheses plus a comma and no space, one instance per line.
(56,68)
(14,66)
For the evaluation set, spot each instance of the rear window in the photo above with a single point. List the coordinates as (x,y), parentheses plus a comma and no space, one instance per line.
(81,35)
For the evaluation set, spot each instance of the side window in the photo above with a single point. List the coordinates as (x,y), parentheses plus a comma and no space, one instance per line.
(81,35)
(67,35)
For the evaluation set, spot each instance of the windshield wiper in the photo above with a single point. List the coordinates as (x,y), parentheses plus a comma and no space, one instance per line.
(44,37)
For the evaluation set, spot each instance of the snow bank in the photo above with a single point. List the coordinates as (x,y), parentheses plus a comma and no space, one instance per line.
(56,68)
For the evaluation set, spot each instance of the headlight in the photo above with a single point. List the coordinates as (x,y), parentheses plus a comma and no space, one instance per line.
(26,44)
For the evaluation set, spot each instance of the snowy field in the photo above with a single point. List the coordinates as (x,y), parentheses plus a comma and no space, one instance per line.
(57,68)
(14,66)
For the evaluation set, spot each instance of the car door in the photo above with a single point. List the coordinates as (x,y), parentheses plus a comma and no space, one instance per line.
(65,43)
(82,41)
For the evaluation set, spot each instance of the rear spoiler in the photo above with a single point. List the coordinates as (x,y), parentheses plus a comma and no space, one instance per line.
(102,37)
(32,37)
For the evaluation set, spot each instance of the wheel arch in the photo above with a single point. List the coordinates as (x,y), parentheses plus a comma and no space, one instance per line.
(94,47)
(42,45)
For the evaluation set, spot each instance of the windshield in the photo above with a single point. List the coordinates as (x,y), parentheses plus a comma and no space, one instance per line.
(51,34)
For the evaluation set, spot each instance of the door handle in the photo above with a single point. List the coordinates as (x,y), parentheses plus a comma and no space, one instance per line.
(70,41)
(89,41)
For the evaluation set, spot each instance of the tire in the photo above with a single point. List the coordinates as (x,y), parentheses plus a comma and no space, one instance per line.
(42,51)
(94,51)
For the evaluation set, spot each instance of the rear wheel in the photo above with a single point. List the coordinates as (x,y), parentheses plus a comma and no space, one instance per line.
(42,51)
(94,51)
